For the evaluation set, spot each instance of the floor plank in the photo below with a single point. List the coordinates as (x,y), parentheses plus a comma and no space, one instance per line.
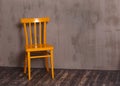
(63,77)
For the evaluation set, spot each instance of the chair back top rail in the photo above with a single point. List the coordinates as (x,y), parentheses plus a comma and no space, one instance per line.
(32,20)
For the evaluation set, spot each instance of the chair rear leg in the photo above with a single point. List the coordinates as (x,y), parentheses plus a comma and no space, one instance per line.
(25,64)
(46,64)
(52,64)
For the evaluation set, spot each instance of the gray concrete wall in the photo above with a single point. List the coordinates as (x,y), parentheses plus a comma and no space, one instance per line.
(85,33)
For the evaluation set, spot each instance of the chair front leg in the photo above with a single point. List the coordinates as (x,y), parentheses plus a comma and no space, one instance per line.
(52,64)
(29,66)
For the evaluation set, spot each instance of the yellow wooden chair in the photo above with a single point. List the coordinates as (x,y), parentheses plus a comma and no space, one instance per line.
(36,46)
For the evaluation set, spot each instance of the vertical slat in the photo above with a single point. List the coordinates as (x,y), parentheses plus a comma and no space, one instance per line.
(26,34)
(44,32)
(35,35)
(40,32)
(30,33)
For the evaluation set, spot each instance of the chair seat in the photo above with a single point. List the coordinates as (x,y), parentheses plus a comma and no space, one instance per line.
(39,47)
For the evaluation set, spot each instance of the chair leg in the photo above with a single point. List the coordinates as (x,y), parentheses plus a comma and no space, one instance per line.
(46,64)
(29,66)
(25,64)
(52,64)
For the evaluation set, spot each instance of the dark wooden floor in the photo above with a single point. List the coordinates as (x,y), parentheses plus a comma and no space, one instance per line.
(15,77)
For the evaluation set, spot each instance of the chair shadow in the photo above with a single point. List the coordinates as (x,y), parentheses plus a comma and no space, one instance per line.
(21,54)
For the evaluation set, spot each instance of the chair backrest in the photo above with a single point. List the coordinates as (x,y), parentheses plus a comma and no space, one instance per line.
(35,30)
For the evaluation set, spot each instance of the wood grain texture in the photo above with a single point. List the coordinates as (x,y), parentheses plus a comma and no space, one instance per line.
(63,77)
